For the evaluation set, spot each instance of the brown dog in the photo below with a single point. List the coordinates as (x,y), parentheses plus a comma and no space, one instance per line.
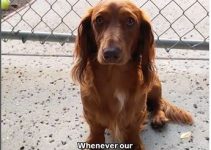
(116,71)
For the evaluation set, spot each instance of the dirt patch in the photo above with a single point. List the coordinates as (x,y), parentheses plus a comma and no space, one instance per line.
(14,5)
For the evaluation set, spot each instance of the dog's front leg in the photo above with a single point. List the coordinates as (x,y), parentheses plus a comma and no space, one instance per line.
(133,137)
(132,132)
(97,131)
(96,135)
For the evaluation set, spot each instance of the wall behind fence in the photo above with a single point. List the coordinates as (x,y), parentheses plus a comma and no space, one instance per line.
(176,23)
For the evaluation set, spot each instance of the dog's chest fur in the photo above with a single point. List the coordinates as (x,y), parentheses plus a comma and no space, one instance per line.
(115,87)
(121,97)
(117,95)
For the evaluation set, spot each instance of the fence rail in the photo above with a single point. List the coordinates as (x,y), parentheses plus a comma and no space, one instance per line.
(180,24)
(67,38)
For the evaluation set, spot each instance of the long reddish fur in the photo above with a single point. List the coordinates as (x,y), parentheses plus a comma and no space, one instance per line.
(137,80)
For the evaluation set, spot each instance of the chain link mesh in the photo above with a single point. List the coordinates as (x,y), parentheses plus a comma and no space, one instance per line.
(182,21)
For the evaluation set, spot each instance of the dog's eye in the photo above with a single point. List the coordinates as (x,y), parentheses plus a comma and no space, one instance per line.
(130,21)
(99,20)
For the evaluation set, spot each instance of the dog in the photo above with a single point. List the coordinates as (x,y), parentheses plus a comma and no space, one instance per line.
(114,65)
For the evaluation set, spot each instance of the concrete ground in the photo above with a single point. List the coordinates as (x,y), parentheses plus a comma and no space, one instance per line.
(41,106)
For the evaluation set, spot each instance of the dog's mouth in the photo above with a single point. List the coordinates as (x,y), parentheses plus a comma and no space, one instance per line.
(111,61)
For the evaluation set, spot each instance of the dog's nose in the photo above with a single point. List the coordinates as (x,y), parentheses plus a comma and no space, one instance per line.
(111,53)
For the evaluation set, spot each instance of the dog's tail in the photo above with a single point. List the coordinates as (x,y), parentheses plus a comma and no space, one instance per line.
(176,114)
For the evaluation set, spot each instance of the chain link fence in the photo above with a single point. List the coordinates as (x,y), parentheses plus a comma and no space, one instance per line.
(181,24)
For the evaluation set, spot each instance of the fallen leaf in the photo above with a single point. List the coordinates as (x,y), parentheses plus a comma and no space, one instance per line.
(185,135)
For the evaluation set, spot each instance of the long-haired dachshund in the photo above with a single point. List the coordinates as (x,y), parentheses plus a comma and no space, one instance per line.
(114,64)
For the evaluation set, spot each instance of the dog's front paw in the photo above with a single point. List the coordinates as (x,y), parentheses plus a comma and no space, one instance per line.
(159,120)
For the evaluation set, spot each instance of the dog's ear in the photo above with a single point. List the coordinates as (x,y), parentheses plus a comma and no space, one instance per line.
(85,46)
(146,49)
